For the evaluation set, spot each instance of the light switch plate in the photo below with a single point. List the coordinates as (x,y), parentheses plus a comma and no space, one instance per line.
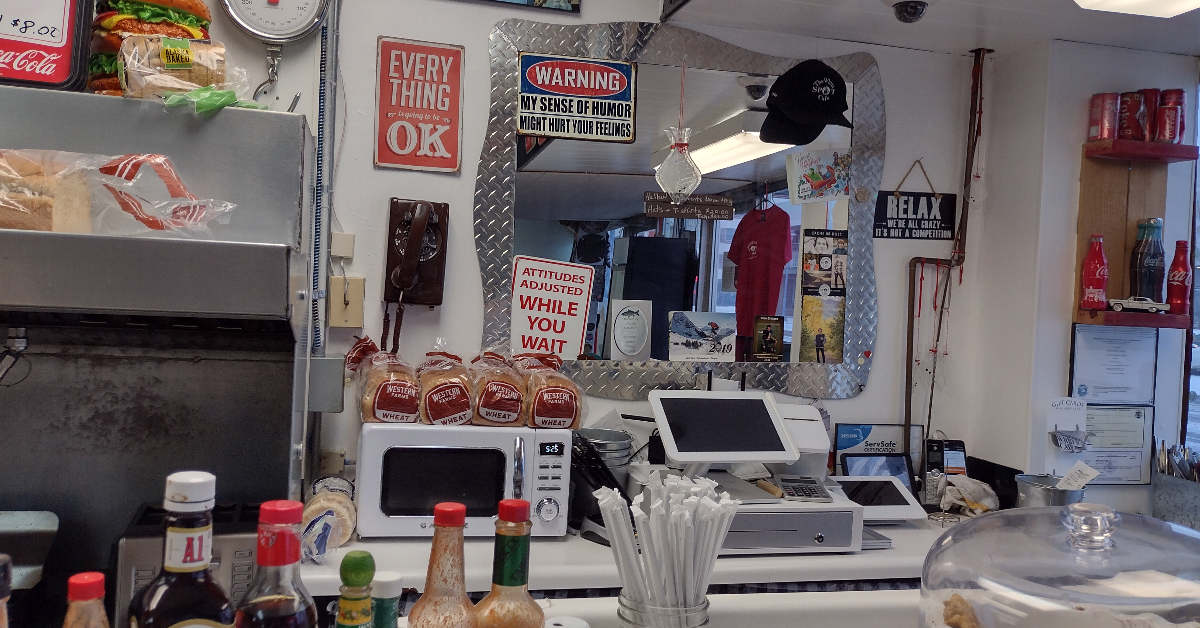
(333,462)
(343,290)
(341,245)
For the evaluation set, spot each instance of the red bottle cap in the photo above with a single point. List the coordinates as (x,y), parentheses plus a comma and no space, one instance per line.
(281,512)
(85,586)
(449,515)
(514,510)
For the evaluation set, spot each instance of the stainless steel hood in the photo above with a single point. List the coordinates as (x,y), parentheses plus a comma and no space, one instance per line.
(254,267)
(57,272)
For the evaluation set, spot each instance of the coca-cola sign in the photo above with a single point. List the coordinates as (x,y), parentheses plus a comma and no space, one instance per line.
(37,41)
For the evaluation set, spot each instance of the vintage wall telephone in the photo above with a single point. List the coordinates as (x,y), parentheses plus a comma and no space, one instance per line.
(415,272)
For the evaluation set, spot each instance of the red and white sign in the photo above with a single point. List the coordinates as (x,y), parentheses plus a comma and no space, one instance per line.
(37,40)
(549,306)
(418,105)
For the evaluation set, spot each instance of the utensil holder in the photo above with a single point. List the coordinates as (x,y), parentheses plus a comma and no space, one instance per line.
(1177,500)
(635,615)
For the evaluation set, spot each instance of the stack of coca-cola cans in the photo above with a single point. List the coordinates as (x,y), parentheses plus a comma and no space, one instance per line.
(1150,115)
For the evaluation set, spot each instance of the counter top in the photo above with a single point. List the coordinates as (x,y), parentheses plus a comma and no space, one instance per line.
(845,609)
(572,562)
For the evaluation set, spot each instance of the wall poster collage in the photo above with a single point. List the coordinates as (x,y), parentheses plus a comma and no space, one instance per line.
(822,312)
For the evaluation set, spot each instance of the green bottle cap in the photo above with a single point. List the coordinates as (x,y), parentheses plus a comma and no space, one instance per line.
(358,568)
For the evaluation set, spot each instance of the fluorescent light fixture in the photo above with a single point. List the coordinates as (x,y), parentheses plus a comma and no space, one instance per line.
(1151,8)
(732,142)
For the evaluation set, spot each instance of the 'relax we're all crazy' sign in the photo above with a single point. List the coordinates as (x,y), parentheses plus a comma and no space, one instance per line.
(578,99)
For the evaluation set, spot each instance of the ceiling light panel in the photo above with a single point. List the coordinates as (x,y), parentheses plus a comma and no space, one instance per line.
(1151,8)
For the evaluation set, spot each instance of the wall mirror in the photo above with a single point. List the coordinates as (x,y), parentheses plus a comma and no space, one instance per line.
(583,202)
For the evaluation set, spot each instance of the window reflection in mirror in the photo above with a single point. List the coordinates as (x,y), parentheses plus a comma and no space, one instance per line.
(583,202)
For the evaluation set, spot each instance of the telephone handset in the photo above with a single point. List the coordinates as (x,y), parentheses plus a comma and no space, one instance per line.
(415,270)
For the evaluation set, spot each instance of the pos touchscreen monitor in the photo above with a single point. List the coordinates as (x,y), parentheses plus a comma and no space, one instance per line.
(715,427)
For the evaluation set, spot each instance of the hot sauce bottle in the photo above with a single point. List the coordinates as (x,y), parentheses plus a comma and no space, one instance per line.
(277,598)
(508,605)
(444,603)
(185,594)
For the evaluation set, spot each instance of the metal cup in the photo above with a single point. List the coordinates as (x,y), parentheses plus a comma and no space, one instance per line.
(1034,491)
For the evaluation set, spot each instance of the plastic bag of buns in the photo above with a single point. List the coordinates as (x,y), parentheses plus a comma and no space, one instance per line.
(497,391)
(44,191)
(127,195)
(552,400)
(152,65)
(445,389)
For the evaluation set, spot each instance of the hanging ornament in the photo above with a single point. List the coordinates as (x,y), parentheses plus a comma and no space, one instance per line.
(678,175)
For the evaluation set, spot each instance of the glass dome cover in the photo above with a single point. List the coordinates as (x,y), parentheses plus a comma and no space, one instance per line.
(1080,566)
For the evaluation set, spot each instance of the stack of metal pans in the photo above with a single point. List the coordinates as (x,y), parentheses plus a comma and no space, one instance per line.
(615,448)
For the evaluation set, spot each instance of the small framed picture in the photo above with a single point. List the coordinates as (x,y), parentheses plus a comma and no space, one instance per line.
(768,339)
(571,6)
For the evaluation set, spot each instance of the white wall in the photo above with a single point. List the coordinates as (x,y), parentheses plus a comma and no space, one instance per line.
(362,191)
(1023,307)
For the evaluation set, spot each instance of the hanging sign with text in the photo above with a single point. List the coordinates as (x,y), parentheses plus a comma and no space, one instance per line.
(418,105)
(549,306)
(915,216)
(578,99)
(701,206)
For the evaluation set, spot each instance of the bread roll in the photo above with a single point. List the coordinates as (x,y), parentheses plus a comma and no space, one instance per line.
(498,391)
(445,390)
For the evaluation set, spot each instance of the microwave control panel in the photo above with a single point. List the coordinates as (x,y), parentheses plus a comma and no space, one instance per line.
(548,481)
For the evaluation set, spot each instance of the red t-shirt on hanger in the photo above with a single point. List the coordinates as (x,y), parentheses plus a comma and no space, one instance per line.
(762,246)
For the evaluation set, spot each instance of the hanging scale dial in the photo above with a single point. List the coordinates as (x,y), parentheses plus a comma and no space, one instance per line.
(276,22)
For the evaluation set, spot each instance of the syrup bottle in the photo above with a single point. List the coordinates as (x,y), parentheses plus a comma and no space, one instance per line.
(508,605)
(277,598)
(185,593)
(444,603)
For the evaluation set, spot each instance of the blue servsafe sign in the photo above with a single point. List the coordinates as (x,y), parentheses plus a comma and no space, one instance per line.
(577,99)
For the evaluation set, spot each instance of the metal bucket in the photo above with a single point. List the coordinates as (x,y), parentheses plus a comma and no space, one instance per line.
(1038,490)
(615,448)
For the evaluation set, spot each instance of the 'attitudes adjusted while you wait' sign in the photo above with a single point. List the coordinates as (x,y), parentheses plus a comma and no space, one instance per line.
(549,306)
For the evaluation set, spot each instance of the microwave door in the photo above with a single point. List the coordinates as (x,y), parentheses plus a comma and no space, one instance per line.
(414,479)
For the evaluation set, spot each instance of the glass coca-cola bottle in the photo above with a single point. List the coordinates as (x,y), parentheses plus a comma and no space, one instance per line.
(1148,263)
(185,593)
(444,603)
(277,598)
(1094,277)
(1179,280)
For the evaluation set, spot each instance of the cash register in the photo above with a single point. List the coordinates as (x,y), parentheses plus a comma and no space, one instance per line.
(704,430)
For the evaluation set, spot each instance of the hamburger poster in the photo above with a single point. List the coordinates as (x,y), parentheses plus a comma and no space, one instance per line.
(418,105)
(578,99)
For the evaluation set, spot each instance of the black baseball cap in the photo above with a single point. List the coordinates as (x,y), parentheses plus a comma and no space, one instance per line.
(802,102)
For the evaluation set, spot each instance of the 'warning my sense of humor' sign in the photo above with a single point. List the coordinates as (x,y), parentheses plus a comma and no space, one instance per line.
(578,99)
(915,215)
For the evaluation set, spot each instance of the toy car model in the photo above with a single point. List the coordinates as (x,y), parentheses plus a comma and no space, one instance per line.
(1138,303)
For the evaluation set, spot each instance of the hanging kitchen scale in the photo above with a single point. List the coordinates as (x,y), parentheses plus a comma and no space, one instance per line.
(276,22)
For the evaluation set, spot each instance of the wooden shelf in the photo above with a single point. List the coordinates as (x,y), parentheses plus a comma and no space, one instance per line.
(1132,150)
(1133,319)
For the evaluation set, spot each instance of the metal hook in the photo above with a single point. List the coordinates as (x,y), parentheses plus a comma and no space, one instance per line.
(274,55)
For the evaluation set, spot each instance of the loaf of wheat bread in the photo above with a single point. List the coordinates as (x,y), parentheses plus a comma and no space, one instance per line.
(445,390)
(498,392)
(552,400)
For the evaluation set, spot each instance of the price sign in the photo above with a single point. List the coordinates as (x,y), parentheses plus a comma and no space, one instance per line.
(37,40)
(36,21)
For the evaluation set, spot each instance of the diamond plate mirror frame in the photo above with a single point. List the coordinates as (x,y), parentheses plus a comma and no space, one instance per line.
(495,202)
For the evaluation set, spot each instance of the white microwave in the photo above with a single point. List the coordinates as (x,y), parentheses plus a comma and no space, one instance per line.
(405,469)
